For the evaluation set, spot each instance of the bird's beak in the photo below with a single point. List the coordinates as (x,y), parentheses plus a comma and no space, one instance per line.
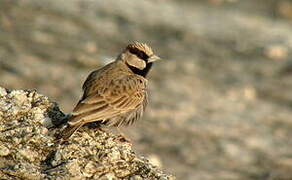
(153,58)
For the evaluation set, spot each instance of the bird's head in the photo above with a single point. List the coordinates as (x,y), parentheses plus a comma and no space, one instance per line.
(138,55)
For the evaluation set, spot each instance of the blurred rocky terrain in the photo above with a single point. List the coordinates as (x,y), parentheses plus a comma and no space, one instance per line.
(29,150)
(221,101)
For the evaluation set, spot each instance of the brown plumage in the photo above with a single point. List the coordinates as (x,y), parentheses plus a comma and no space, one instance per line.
(116,94)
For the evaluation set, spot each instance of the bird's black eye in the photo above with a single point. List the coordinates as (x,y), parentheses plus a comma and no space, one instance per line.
(138,53)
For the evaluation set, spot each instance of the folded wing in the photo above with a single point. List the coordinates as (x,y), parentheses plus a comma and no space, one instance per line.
(119,97)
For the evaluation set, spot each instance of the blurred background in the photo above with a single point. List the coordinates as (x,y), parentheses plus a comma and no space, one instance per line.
(221,101)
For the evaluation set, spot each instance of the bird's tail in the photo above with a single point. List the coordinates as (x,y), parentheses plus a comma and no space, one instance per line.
(69,130)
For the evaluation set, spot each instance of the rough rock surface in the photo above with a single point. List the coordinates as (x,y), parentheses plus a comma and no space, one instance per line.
(28,149)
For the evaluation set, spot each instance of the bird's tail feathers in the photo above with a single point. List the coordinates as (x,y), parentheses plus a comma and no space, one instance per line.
(69,130)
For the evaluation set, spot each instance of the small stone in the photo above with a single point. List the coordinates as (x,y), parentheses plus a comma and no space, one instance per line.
(163,178)
(155,160)
(109,176)
(47,122)
(136,178)
(3,91)
(29,154)
(89,169)
(115,155)
(73,168)
(4,151)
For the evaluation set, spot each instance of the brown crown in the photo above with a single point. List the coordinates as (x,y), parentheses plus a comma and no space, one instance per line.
(142,47)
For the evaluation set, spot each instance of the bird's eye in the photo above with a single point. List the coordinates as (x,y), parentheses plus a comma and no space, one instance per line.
(139,53)
(133,50)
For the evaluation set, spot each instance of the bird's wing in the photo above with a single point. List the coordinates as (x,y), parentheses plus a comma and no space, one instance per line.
(96,80)
(119,96)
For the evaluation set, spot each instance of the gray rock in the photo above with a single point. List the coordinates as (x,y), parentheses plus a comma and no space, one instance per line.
(29,150)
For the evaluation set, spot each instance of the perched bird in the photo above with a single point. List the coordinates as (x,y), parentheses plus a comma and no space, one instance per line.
(115,94)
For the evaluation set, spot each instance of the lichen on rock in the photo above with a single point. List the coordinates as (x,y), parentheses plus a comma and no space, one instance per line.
(28,148)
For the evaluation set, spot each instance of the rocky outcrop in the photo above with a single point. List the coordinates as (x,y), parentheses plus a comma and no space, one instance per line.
(28,148)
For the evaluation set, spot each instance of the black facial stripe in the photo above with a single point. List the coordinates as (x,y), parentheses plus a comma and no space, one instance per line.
(142,72)
(139,54)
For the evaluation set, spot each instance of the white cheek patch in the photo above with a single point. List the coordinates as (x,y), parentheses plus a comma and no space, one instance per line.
(136,62)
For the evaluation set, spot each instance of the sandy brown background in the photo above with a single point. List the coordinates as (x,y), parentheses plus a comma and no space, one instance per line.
(221,101)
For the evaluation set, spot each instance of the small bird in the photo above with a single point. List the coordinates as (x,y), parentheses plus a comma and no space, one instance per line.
(115,94)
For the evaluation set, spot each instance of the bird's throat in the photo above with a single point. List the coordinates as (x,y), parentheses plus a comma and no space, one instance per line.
(140,72)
